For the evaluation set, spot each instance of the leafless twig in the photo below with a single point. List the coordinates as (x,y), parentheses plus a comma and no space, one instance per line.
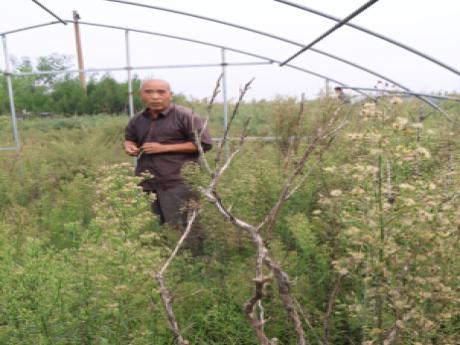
(214,93)
(330,308)
(203,159)
(322,134)
(235,111)
(276,273)
(307,322)
(164,292)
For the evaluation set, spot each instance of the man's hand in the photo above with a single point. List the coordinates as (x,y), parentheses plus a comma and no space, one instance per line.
(153,148)
(131,148)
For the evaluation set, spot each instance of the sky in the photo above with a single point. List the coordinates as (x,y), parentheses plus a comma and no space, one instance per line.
(428,26)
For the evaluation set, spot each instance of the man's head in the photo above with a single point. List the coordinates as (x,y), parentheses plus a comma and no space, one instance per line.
(338,89)
(156,94)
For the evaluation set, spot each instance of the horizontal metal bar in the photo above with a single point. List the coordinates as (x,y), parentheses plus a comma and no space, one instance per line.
(398,92)
(375,34)
(95,70)
(28,28)
(331,30)
(204,65)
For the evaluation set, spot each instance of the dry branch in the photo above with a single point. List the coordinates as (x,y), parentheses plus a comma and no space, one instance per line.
(250,310)
(164,292)
(322,134)
(214,93)
(330,308)
(307,322)
(203,159)
(263,257)
(281,277)
(235,111)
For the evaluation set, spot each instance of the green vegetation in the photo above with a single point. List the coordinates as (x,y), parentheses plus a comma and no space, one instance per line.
(377,221)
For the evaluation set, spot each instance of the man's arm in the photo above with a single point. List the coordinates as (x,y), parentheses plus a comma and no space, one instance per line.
(131,148)
(154,148)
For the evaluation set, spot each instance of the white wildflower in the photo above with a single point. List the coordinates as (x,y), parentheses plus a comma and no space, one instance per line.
(336,192)
(422,152)
(406,186)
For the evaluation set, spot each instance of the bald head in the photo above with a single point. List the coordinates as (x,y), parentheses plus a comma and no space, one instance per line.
(156,94)
(149,80)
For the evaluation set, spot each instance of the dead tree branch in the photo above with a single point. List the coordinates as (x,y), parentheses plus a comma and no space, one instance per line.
(307,322)
(164,292)
(322,134)
(330,308)
(235,111)
(391,334)
(203,159)
(214,93)
(281,277)
(250,310)
(263,255)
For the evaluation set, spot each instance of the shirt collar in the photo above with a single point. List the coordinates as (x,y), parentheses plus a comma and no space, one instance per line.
(164,113)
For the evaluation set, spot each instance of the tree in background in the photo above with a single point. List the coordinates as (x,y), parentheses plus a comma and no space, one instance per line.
(61,93)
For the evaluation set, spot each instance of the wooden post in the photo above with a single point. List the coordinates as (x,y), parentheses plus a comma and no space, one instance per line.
(81,66)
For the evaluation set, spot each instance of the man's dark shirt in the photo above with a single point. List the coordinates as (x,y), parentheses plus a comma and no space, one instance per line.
(175,125)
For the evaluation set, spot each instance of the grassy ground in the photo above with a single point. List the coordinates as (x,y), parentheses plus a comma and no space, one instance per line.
(376,221)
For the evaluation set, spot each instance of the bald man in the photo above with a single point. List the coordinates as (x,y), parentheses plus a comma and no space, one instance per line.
(162,136)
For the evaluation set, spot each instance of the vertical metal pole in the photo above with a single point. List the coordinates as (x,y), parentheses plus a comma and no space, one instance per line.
(327,88)
(10,94)
(130,81)
(224,94)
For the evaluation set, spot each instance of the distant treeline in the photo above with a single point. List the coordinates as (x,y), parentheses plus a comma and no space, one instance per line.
(61,93)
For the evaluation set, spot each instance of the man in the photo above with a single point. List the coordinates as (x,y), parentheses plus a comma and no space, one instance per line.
(342,96)
(162,136)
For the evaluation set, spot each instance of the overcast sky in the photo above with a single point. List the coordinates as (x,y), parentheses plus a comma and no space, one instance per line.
(429,26)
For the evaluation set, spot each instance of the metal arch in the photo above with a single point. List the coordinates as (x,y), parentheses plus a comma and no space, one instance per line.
(331,30)
(397,92)
(375,34)
(220,47)
(279,38)
(282,39)
(197,42)
(49,11)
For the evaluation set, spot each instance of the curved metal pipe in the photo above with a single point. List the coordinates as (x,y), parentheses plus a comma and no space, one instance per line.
(282,39)
(192,41)
(220,47)
(373,33)
(396,93)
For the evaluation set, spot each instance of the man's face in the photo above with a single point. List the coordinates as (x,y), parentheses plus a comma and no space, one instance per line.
(156,95)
